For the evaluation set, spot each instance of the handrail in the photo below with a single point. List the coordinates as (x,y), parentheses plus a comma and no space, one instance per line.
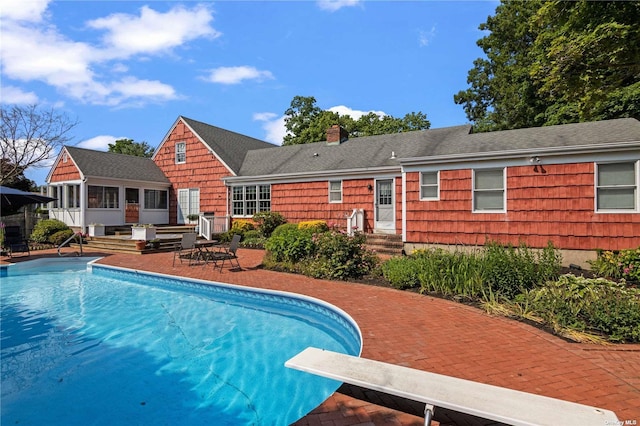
(77,234)
(355,221)
(210,224)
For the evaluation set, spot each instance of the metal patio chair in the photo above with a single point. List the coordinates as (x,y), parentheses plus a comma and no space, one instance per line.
(186,246)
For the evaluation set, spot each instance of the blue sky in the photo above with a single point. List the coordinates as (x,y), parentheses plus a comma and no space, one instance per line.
(128,69)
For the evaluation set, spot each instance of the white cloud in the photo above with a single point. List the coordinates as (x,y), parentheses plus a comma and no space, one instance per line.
(44,55)
(425,37)
(23,10)
(99,143)
(235,75)
(333,5)
(37,51)
(153,32)
(273,126)
(354,113)
(15,95)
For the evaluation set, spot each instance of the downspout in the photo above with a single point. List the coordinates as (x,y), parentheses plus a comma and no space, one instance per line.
(83,205)
(404,207)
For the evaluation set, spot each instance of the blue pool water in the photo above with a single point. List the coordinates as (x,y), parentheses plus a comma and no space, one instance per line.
(108,346)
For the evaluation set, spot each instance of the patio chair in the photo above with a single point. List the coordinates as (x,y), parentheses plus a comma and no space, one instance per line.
(14,243)
(229,253)
(185,247)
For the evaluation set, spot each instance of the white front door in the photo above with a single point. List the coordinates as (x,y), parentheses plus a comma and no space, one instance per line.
(188,203)
(384,207)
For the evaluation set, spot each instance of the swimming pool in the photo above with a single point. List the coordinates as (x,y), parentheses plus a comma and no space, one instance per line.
(104,345)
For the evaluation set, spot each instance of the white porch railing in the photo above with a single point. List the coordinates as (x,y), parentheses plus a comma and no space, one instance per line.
(209,225)
(355,221)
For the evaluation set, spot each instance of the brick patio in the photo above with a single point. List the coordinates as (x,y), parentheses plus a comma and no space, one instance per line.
(439,336)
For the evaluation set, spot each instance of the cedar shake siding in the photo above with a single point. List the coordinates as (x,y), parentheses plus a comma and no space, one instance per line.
(212,154)
(556,205)
(299,202)
(201,170)
(65,171)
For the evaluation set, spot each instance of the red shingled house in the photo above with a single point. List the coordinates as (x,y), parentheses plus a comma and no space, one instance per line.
(575,185)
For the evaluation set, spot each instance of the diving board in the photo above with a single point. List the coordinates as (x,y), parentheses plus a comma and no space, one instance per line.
(436,390)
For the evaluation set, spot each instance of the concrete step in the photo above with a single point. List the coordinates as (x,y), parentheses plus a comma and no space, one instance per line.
(386,244)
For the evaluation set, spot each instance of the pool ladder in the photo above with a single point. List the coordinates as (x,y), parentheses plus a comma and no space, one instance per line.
(78,237)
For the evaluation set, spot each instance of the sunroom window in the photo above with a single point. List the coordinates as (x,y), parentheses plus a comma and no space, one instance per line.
(155,199)
(103,197)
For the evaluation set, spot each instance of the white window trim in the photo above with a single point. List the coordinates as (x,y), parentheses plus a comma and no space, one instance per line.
(636,208)
(330,192)
(184,151)
(504,191)
(437,185)
(144,199)
(257,200)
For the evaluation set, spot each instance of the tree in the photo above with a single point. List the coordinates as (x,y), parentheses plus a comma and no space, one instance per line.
(19,180)
(28,136)
(555,62)
(129,147)
(305,122)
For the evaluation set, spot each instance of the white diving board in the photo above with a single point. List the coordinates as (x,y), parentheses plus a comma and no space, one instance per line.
(436,390)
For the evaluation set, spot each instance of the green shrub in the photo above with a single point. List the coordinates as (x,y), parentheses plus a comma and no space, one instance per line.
(60,237)
(314,225)
(267,222)
(340,256)
(449,272)
(44,229)
(253,239)
(508,271)
(284,228)
(401,272)
(615,266)
(590,305)
(290,244)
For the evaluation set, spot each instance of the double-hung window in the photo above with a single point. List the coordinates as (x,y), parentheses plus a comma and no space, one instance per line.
(617,187)
(489,193)
(250,199)
(429,186)
(181,152)
(335,191)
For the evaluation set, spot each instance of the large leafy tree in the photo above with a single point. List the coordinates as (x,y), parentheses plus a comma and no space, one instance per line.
(130,147)
(553,62)
(28,136)
(306,122)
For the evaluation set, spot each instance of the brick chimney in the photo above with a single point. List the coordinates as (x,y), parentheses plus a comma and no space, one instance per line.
(336,135)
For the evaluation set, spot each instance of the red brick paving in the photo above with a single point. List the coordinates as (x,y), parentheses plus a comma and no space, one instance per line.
(440,336)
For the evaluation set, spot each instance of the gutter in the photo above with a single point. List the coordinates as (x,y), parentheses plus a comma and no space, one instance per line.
(501,155)
(314,176)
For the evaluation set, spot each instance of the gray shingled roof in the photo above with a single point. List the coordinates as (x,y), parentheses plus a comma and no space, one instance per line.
(565,136)
(231,147)
(375,151)
(116,166)
(357,153)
